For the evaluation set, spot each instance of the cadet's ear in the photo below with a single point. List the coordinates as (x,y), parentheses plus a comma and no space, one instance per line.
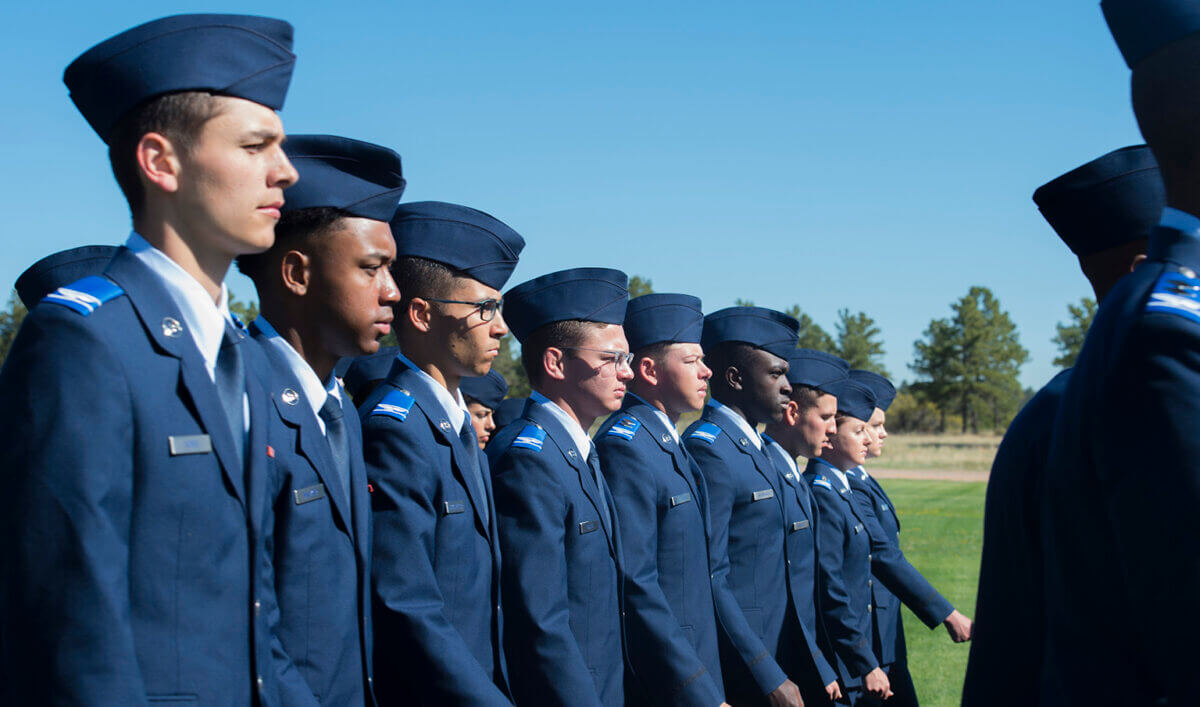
(294,270)
(420,314)
(554,363)
(791,413)
(158,161)
(647,370)
(733,378)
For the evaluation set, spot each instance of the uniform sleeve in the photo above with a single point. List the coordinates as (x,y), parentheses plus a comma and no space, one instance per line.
(670,669)
(754,655)
(1148,458)
(544,660)
(65,452)
(841,619)
(889,564)
(409,602)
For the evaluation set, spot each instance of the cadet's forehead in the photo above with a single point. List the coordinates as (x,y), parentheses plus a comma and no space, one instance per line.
(605,336)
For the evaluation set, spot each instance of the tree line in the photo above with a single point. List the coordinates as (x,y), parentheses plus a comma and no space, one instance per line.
(966,365)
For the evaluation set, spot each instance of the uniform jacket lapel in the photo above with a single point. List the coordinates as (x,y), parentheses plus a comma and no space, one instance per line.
(758,456)
(575,457)
(679,457)
(298,415)
(165,324)
(408,379)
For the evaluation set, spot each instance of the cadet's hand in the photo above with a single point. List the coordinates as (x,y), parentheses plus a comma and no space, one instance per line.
(786,695)
(876,684)
(726,704)
(958,626)
(834,690)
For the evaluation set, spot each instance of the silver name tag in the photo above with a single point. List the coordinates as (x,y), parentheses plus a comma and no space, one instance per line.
(681,498)
(189,444)
(764,494)
(588,526)
(799,525)
(309,494)
(454,507)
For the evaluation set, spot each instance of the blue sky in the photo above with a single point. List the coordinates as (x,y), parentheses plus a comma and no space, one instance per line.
(871,156)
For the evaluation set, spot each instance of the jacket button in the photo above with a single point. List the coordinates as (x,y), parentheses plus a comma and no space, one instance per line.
(870,583)
(868,608)
(257,607)
(259,681)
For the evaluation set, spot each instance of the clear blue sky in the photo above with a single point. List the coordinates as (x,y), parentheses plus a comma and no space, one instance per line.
(875,156)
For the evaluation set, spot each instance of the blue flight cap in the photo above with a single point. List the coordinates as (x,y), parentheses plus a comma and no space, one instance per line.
(1107,202)
(1142,27)
(763,328)
(655,318)
(588,294)
(466,239)
(816,369)
(855,398)
(488,390)
(363,370)
(509,410)
(235,55)
(62,268)
(357,177)
(883,389)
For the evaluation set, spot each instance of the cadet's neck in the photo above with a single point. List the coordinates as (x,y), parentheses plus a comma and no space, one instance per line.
(780,432)
(563,397)
(653,397)
(296,328)
(430,356)
(206,265)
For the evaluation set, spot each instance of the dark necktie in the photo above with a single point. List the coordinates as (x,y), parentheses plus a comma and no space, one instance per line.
(471,446)
(230,377)
(593,462)
(335,434)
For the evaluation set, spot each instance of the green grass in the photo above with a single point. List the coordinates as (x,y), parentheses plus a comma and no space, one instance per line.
(957,452)
(942,535)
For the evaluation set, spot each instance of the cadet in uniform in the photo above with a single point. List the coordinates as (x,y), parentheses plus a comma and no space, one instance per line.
(747,348)
(1103,211)
(61,268)
(483,394)
(325,292)
(844,568)
(897,579)
(662,503)
(1119,510)
(807,425)
(436,571)
(134,455)
(562,552)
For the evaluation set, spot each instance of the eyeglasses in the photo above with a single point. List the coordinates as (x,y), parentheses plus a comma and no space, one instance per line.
(487,307)
(617,358)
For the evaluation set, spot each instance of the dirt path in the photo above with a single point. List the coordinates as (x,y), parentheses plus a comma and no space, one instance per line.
(930,474)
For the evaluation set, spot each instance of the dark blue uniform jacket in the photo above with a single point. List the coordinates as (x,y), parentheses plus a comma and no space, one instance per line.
(802,551)
(318,546)
(898,581)
(844,576)
(662,504)
(436,559)
(750,562)
(1005,666)
(562,566)
(131,530)
(1120,521)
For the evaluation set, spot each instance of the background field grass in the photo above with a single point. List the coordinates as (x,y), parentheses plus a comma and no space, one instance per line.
(956,452)
(942,535)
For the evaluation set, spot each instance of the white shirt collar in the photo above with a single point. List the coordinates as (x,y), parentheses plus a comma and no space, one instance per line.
(205,319)
(578,434)
(862,472)
(452,403)
(314,391)
(741,422)
(1180,221)
(662,416)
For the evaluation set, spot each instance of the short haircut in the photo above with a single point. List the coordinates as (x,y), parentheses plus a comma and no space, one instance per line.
(295,230)
(729,353)
(559,335)
(177,116)
(420,278)
(806,396)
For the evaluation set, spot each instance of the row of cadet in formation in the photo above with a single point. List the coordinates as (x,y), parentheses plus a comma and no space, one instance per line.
(1090,566)
(198,512)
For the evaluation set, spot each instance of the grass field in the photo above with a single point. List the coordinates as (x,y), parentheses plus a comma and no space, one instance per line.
(956,452)
(942,535)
